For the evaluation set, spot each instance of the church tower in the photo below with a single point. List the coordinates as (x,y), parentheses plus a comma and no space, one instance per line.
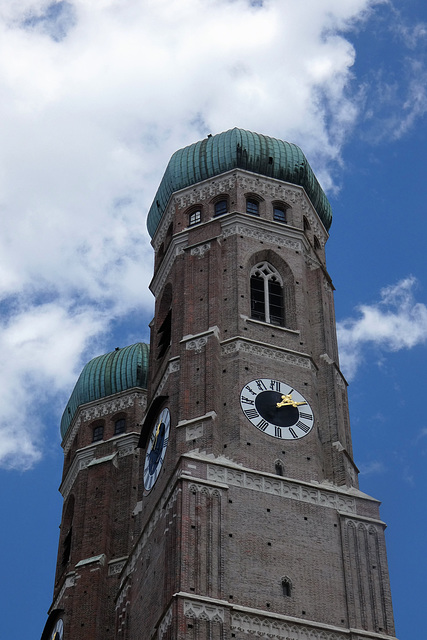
(244,517)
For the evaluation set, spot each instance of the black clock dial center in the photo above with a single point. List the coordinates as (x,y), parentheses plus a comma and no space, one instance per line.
(266,405)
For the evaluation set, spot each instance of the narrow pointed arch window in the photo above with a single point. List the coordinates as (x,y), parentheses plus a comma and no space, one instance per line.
(267,294)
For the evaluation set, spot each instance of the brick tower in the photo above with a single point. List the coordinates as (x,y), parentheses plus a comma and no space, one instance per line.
(244,517)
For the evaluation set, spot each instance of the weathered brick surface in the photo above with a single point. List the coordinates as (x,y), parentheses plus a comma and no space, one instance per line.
(208,552)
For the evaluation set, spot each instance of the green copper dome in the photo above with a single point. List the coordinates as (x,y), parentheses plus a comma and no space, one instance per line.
(238,149)
(113,372)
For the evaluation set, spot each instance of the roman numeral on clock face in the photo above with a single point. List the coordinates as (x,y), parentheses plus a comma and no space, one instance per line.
(251,414)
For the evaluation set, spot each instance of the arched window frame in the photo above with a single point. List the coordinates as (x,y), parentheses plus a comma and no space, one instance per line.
(267,301)
(252,205)
(280,212)
(286,586)
(119,425)
(194,215)
(97,433)
(221,206)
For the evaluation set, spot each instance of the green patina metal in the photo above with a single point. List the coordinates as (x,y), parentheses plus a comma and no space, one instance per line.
(238,149)
(108,374)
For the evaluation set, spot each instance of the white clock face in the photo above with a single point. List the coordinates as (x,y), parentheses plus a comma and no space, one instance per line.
(275,408)
(156,449)
(58,630)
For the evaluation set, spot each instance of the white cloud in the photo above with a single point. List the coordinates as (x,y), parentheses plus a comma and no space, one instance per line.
(96,96)
(374,467)
(396,322)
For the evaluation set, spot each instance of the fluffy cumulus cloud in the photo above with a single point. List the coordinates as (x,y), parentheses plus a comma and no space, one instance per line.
(396,322)
(95,98)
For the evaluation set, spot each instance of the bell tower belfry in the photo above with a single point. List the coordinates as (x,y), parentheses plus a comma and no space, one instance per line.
(248,520)
(251,518)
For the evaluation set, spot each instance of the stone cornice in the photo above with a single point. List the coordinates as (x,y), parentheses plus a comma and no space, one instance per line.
(225,472)
(266,350)
(125,445)
(103,407)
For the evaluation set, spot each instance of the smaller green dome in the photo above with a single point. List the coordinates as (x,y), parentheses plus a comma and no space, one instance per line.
(238,149)
(108,374)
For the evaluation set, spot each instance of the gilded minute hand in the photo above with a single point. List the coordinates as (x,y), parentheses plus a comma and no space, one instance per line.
(157,435)
(288,402)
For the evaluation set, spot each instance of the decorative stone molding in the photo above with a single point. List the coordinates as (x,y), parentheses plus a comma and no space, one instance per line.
(206,191)
(264,627)
(127,444)
(200,250)
(115,566)
(311,262)
(203,611)
(203,488)
(70,581)
(281,487)
(176,248)
(248,230)
(198,341)
(174,365)
(165,623)
(267,351)
(193,432)
(102,408)
(195,426)
(123,595)
(81,461)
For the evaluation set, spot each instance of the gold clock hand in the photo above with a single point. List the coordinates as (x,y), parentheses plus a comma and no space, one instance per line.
(288,402)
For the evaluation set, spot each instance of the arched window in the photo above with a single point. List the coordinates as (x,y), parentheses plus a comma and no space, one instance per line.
(316,243)
(279,468)
(306,224)
(279,213)
(164,333)
(119,426)
(286,586)
(252,206)
(98,433)
(221,207)
(267,294)
(195,217)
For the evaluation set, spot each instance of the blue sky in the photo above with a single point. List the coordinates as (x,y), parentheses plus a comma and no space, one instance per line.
(96,96)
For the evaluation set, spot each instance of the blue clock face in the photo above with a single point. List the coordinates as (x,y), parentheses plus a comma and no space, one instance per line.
(277,409)
(58,630)
(156,450)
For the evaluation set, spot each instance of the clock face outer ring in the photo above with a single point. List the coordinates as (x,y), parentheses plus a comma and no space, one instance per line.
(156,450)
(292,420)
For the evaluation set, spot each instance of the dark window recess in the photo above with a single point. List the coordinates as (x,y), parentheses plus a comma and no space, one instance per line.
(279,214)
(306,224)
(221,207)
(278,468)
(257,298)
(98,433)
(252,207)
(316,243)
(195,217)
(119,426)
(164,335)
(66,547)
(286,587)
